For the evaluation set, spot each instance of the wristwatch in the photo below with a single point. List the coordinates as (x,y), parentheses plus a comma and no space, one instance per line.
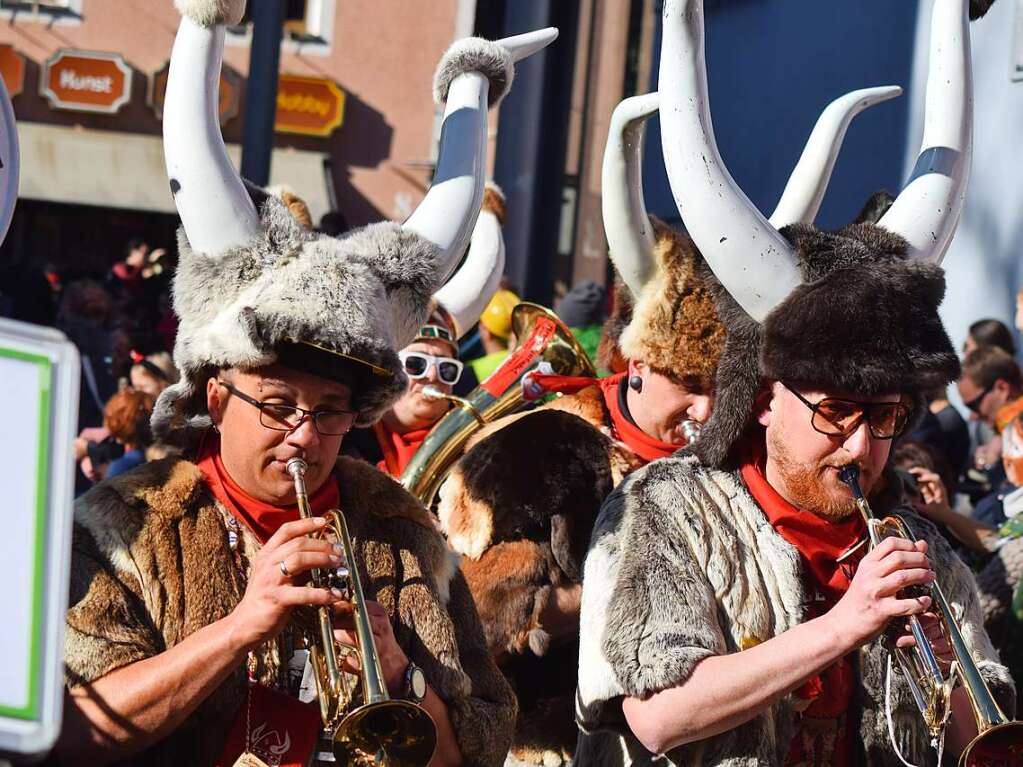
(415,683)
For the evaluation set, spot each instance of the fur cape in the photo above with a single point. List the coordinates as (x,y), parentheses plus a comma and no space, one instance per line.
(520,506)
(864,321)
(151,564)
(684,565)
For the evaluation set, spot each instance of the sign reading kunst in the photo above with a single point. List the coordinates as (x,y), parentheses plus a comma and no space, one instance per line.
(86,81)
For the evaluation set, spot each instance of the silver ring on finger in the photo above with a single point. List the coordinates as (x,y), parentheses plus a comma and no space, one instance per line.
(284,569)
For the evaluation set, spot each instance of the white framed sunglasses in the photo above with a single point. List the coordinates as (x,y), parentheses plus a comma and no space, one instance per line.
(417,365)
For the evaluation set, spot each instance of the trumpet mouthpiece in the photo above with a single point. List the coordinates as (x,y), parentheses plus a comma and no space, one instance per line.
(850,474)
(432,392)
(296,467)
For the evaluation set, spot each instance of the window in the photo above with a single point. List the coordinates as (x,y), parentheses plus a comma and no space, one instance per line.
(308,25)
(47,11)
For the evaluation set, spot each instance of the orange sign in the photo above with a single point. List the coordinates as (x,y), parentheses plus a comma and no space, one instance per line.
(86,81)
(310,106)
(230,92)
(12,69)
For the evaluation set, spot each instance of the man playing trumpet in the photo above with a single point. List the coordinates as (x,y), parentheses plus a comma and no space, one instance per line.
(189,618)
(733,612)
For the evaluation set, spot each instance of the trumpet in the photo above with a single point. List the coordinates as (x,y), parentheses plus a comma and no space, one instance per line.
(999,739)
(379,730)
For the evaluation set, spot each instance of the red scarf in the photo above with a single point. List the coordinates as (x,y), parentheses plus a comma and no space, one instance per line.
(819,542)
(260,517)
(637,440)
(398,449)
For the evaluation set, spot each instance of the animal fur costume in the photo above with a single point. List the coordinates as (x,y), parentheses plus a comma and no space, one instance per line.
(685,565)
(152,564)
(521,503)
(153,559)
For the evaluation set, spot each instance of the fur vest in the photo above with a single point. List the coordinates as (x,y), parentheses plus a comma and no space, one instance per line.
(520,506)
(152,563)
(684,565)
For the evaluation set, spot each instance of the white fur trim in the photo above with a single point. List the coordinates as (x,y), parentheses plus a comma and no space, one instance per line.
(208,13)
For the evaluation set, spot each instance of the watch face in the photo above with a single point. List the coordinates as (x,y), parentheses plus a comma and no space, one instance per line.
(418,683)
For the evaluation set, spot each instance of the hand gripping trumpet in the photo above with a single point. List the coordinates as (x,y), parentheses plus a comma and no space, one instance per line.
(999,740)
(396,733)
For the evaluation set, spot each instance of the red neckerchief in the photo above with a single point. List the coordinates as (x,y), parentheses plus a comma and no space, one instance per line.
(637,440)
(819,542)
(398,449)
(260,517)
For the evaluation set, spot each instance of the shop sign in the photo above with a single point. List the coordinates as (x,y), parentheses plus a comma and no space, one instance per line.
(310,106)
(12,69)
(230,94)
(86,81)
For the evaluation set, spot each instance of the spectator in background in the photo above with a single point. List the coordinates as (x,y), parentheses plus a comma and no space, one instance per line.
(991,386)
(989,333)
(126,417)
(944,431)
(582,309)
(153,373)
(125,278)
(495,332)
(86,317)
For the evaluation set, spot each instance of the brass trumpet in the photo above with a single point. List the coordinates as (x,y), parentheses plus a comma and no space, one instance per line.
(380,730)
(999,739)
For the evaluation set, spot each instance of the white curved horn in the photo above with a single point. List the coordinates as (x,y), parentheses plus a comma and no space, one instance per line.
(630,238)
(447,214)
(927,211)
(467,293)
(10,161)
(751,259)
(214,207)
(808,183)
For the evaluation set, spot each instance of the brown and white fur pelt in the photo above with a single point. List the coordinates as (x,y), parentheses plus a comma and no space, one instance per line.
(685,565)
(520,506)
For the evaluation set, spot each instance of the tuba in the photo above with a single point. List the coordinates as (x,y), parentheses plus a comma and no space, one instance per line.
(543,344)
(396,733)
(999,740)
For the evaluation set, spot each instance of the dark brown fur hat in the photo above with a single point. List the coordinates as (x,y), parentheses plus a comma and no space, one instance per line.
(674,326)
(864,321)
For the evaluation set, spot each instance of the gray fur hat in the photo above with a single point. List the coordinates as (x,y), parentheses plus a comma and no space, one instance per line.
(254,286)
(853,310)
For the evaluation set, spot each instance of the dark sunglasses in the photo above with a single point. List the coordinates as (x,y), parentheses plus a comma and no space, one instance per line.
(974,404)
(328,423)
(841,417)
(417,365)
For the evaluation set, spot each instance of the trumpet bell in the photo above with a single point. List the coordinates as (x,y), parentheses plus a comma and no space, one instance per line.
(394,733)
(999,746)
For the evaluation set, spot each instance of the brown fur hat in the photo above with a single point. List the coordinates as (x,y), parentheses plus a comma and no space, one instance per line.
(675,326)
(865,320)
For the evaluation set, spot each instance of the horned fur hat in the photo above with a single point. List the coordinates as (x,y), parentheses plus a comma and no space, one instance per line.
(255,287)
(664,312)
(854,310)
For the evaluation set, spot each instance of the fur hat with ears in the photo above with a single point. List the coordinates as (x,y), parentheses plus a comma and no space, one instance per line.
(674,326)
(256,286)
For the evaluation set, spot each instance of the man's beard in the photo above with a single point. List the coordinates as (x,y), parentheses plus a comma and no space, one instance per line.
(807,484)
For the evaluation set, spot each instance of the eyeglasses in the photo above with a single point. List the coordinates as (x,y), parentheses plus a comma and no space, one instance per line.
(417,365)
(841,417)
(328,423)
(974,404)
